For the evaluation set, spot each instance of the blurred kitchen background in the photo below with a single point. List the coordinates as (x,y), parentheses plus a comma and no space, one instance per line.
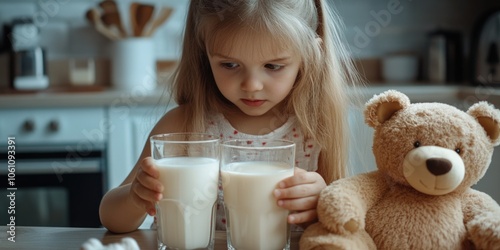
(79,127)
(67,34)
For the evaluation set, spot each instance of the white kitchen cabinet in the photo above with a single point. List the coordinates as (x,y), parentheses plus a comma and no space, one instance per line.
(129,129)
(361,158)
(489,183)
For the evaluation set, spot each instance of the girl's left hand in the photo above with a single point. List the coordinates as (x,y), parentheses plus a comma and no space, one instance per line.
(300,193)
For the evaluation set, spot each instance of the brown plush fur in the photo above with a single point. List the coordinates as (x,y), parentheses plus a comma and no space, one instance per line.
(382,210)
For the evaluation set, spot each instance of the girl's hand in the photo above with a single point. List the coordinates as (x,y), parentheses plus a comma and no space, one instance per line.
(300,193)
(146,189)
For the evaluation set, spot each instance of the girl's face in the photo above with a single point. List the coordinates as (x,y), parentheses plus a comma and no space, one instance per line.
(253,74)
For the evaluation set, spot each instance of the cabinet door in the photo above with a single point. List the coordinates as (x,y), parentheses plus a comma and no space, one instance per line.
(128,131)
(489,183)
(361,158)
(142,121)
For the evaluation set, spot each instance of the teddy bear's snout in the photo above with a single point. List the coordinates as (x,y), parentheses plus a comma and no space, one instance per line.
(433,170)
(438,166)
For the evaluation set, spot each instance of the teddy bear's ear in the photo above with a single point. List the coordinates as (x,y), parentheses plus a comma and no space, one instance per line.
(489,118)
(381,107)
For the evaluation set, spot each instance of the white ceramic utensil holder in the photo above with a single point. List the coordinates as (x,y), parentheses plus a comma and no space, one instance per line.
(133,64)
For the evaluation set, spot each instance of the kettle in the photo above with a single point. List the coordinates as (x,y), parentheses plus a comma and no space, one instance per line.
(444,58)
(28,63)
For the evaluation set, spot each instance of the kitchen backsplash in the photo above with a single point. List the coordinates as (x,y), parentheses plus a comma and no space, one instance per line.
(374,28)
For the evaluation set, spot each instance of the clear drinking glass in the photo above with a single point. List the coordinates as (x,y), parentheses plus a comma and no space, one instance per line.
(189,170)
(250,171)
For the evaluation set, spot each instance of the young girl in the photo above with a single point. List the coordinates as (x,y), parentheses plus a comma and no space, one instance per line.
(254,69)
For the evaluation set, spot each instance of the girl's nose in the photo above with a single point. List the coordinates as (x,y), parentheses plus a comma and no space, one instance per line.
(251,84)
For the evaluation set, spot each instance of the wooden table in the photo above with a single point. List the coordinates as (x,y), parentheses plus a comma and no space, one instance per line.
(67,238)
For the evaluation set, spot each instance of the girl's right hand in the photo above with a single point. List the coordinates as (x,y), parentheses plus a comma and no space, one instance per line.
(146,189)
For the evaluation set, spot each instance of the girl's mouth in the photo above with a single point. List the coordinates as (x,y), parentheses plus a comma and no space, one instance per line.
(252,103)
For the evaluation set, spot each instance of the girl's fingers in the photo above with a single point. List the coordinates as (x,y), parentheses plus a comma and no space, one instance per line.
(149,207)
(303,216)
(146,194)
(302,184)
(146,189)
(149,182)
(300,176)
(148,167)
(146,185)
(298,191)
(305,203)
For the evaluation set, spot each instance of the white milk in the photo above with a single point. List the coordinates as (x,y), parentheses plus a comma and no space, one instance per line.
(186,210)
(255,221)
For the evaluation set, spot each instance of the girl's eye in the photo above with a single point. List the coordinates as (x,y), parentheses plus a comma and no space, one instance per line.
(229,65)
(274,67)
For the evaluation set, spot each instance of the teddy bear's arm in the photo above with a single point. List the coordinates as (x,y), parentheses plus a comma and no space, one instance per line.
(482,219)
(343,204)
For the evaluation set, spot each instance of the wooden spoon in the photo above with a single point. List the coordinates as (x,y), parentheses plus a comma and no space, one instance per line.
(157,22)
(112,21)
(108,6)
(143,15)
(133,17)
(93,16)
(111,16)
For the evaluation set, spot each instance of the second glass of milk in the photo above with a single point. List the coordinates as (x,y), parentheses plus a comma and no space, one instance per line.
(250,171)
(189,171)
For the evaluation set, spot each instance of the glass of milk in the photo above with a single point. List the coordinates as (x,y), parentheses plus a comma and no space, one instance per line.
(189,170)
(250,171)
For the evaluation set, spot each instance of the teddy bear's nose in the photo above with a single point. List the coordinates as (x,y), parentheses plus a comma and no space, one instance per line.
(438,166)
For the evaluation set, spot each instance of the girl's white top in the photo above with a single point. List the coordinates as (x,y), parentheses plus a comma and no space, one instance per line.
(306,152)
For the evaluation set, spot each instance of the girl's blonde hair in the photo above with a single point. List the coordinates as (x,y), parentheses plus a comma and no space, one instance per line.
(319,98)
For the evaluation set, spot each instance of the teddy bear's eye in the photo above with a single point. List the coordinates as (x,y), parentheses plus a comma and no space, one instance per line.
(416,144)
(458,150)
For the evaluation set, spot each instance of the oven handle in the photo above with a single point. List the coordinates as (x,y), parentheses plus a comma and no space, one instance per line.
(55,166)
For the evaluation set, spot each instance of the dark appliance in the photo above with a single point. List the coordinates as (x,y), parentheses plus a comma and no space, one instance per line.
(60,165)
(444,58)
(485,50)
(28,62)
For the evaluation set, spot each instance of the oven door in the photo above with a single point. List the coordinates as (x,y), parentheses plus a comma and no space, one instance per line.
(54,187)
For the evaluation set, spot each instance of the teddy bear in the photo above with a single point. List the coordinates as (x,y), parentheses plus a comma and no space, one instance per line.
(428,157)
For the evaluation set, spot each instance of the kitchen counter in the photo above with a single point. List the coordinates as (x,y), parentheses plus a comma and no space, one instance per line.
(71,98)
(55,238)
(426,92)
(109,97)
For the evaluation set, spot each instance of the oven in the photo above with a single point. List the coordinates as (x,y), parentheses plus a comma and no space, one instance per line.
(52,166)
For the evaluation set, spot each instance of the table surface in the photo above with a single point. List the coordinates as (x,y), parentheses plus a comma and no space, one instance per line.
(72,238)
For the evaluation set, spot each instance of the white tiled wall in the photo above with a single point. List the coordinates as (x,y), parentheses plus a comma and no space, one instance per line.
(66,33)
